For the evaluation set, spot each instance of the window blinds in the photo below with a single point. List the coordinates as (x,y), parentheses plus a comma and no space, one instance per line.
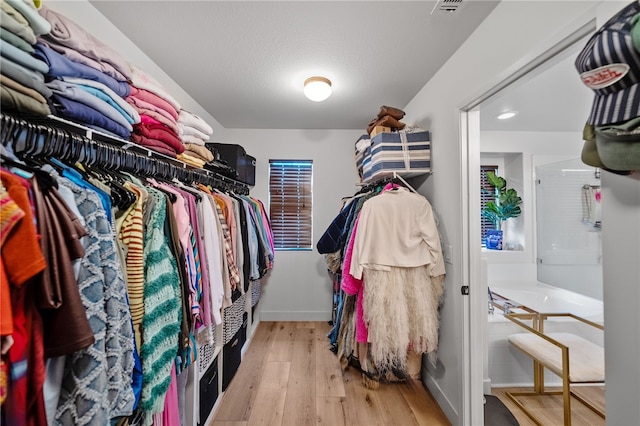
(290,202)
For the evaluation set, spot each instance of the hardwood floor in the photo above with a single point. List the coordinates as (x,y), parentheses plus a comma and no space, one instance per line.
(288,376)
(549,408)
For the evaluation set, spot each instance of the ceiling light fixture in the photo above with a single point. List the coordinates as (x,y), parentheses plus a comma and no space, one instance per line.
(506,115)
(317,88)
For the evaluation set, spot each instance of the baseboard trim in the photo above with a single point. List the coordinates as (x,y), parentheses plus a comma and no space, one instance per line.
(486,386)
(440,397)
(295,315)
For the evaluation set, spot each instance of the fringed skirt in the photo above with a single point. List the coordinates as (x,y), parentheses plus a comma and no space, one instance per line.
(401,314)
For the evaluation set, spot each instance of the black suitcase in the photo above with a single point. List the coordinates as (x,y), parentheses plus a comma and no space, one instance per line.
(237,158)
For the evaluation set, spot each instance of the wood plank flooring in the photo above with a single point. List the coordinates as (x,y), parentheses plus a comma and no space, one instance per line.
(288,376)
(548,408)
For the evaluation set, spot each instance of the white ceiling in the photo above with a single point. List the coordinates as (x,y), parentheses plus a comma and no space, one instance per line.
(550,98)
(245,62)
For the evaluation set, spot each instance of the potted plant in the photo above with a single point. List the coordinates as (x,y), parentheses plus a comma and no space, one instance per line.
(506,205)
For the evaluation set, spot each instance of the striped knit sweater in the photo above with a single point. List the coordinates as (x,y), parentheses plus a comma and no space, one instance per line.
(162,310)
(131,235)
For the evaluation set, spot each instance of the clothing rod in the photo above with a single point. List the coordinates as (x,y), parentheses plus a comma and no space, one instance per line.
(36,137)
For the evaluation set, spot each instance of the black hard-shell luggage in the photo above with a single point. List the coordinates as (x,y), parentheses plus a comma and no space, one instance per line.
(237,158)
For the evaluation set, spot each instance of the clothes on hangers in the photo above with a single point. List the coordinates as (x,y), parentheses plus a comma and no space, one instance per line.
(389,245)
(150,275)
(22,263)
(105,369)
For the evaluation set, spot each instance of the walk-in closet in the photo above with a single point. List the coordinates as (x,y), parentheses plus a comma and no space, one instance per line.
(290,212)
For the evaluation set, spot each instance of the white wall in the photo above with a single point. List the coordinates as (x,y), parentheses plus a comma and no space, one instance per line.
(621,269)
(299,288)
(502,44)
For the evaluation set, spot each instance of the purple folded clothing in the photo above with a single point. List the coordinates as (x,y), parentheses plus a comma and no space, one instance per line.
(66,33)
(84,114)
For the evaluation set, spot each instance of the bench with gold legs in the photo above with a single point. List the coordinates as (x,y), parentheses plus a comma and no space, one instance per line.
(573,358)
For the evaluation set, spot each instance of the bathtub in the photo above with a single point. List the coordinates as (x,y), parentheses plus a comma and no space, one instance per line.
(507,366)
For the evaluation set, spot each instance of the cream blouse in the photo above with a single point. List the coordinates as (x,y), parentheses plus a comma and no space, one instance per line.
(397,228)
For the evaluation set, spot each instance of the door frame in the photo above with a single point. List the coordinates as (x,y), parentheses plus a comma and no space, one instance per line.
(475,306)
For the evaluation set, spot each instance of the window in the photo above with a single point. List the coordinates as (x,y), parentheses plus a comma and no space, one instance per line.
(290,198)
(487,193)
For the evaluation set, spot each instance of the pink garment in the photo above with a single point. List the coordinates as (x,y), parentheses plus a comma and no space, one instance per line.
(152,98)
(65,32)
(389,186)
(202,297)
(146,119)
(354,286)
(154,145)
(158,117)
(160,132)
(171,413)
(142,104)
(157,419)
(142,80)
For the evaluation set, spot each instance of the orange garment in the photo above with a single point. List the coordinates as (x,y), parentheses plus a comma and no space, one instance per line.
(21,252)
(226,204)
(22,259)
(234,274)
(10,214)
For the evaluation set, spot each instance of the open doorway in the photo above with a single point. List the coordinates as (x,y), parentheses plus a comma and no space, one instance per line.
(551,107)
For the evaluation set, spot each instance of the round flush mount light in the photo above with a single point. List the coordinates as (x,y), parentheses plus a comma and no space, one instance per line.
(507,115)
(317,88)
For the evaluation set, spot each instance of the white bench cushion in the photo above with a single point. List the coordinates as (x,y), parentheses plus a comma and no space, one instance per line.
(586,359)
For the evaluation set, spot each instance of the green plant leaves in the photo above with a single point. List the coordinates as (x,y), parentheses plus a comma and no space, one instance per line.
(507,202)
(498,182)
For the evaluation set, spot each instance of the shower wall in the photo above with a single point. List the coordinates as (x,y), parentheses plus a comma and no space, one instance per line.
(569,244)
(565,262)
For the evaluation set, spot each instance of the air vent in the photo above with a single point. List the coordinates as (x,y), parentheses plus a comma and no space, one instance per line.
(447,6)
